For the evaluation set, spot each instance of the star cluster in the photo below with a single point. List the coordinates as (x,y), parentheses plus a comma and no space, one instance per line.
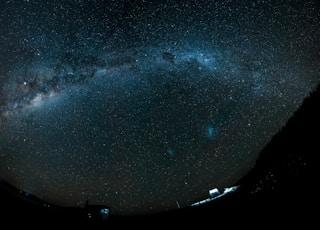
(139,106)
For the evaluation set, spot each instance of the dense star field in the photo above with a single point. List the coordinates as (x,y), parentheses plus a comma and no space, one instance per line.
(145,106)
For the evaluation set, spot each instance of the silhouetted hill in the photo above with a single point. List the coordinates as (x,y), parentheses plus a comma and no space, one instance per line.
(284,180)
(296,145)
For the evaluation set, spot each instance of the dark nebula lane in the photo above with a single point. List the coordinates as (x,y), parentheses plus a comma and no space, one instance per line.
(146,107)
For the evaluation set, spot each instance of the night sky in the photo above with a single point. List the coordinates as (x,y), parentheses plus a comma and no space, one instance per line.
(144,106)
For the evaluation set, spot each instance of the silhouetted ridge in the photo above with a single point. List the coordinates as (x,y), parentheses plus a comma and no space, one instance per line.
(285,173)
(299,132)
